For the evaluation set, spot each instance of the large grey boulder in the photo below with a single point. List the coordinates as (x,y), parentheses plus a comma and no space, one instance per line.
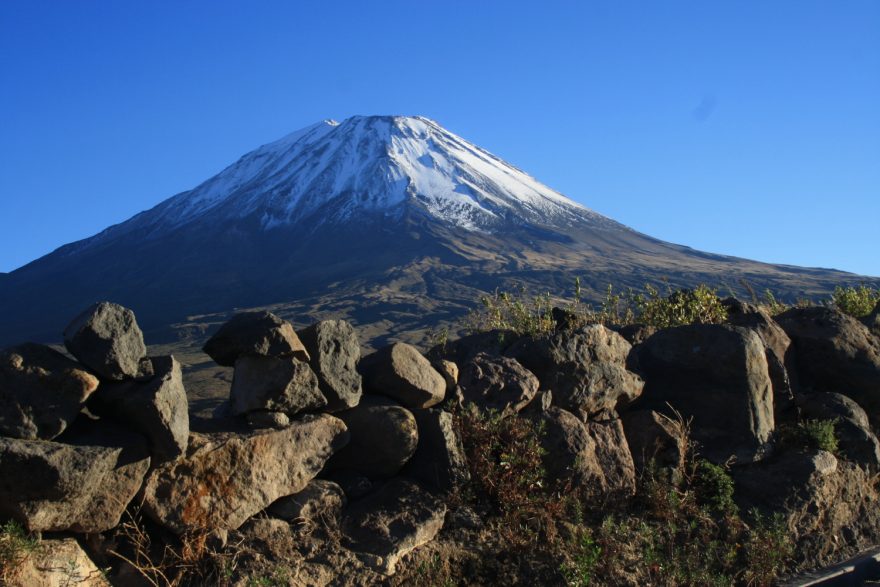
(41,391)
(439,461)
(716,376)
(400,371)
(254,333)
(107,339)
(836,353)
(277,384)
(156,408)
(384,436)
(335,352)
(586,369)
(497,383)
(224,479)
(391,522)
(83,485)
(320,499)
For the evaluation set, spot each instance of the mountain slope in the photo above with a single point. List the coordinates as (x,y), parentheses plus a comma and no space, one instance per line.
(393,222)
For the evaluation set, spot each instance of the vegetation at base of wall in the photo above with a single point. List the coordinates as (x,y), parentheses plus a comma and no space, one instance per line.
(814,434)
(16,545)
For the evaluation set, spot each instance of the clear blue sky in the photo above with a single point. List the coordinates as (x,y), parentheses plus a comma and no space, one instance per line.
(745,128)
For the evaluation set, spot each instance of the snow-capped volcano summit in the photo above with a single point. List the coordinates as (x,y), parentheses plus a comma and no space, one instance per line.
(390,221)
(372,163)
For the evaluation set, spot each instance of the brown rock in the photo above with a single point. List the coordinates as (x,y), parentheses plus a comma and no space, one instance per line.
(497,383)
(401,372)
(58,562)
(277,384)
(107,339)
(335,351)
(254,333)
(320,499)
(655,437)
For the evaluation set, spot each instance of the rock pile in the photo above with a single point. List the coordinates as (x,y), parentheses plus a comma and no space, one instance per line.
(315,434)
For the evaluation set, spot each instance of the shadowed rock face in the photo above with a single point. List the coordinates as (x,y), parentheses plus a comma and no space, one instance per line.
(107,339)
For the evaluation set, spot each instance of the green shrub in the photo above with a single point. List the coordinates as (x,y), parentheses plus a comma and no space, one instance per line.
(768,548)
(505,311)
(700,305)
(814,434)
(715,488)
(855,301)
(580,570)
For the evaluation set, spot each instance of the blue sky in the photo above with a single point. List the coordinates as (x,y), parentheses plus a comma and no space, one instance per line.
(744,128)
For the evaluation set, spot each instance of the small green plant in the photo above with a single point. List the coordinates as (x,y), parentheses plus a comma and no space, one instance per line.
(715,488)
(855,301)
(505,311)
(815,434)
(580,570)
(16,545)
(700,305)
(774,307)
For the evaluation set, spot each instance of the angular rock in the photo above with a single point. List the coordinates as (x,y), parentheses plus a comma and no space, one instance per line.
(384,437)
(439,461)
(83,486)
(613,456)
(598,387)
(277,384)
(400,371)
(717,376)
(449,371)
(395,520)
(41,391)
(157,408)
(335,351)
(59,562)
(655,438)
(226,478)
(856,442)
(497,383)
(320,499)
(266,419)
(836,353)
(254,333)
(107,339)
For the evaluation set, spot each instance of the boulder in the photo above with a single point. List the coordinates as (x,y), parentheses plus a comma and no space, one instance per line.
(449,371)
(41,391)
(226,478)
(613,456)
(439,461)
(780,352)
(335,351)
(636,334)
(156,408)
(585,369)
(254,333)
(400,371)
(276,384)
(716,376)
(384,436)
(58,562)
(856,442)
(497,383)
(836,353)
(107,339)
(81,486)
(392,522)
(655,438)
(320,499)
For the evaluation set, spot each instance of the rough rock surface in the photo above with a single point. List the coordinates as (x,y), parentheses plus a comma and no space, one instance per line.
(855,439)
(41,391)
(226,478)
(335,352)
(107,339)
(872,320)
(718,376)
(156,408)
(613,456)
(497,383)
(384,435)
(653,436)
(401,372)
(836,353)
(320,498)
(59,562)
(392,522)
(449,371)
(81,486)
(587,391)
(265,419)
(439,461)
(254,333)
(277,384)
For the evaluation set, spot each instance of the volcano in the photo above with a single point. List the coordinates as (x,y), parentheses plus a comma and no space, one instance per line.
(392,222)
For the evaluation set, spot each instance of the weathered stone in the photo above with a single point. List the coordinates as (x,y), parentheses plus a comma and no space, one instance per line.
(277,384)
(395,520)
(384,436)
(81,486)
(872,321)
(449,371)
(717,376)
(320,499)
(655,438)
(400,371)
(836,353)
(254,333)
(41,391)
(156,408)
(439,461)
(226,478)
(335,351)
(830,406)
(107,339)
(636,334)
(265,419)
(497,383)
(613,456)
(855,439)
(58,562)
(595,388)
